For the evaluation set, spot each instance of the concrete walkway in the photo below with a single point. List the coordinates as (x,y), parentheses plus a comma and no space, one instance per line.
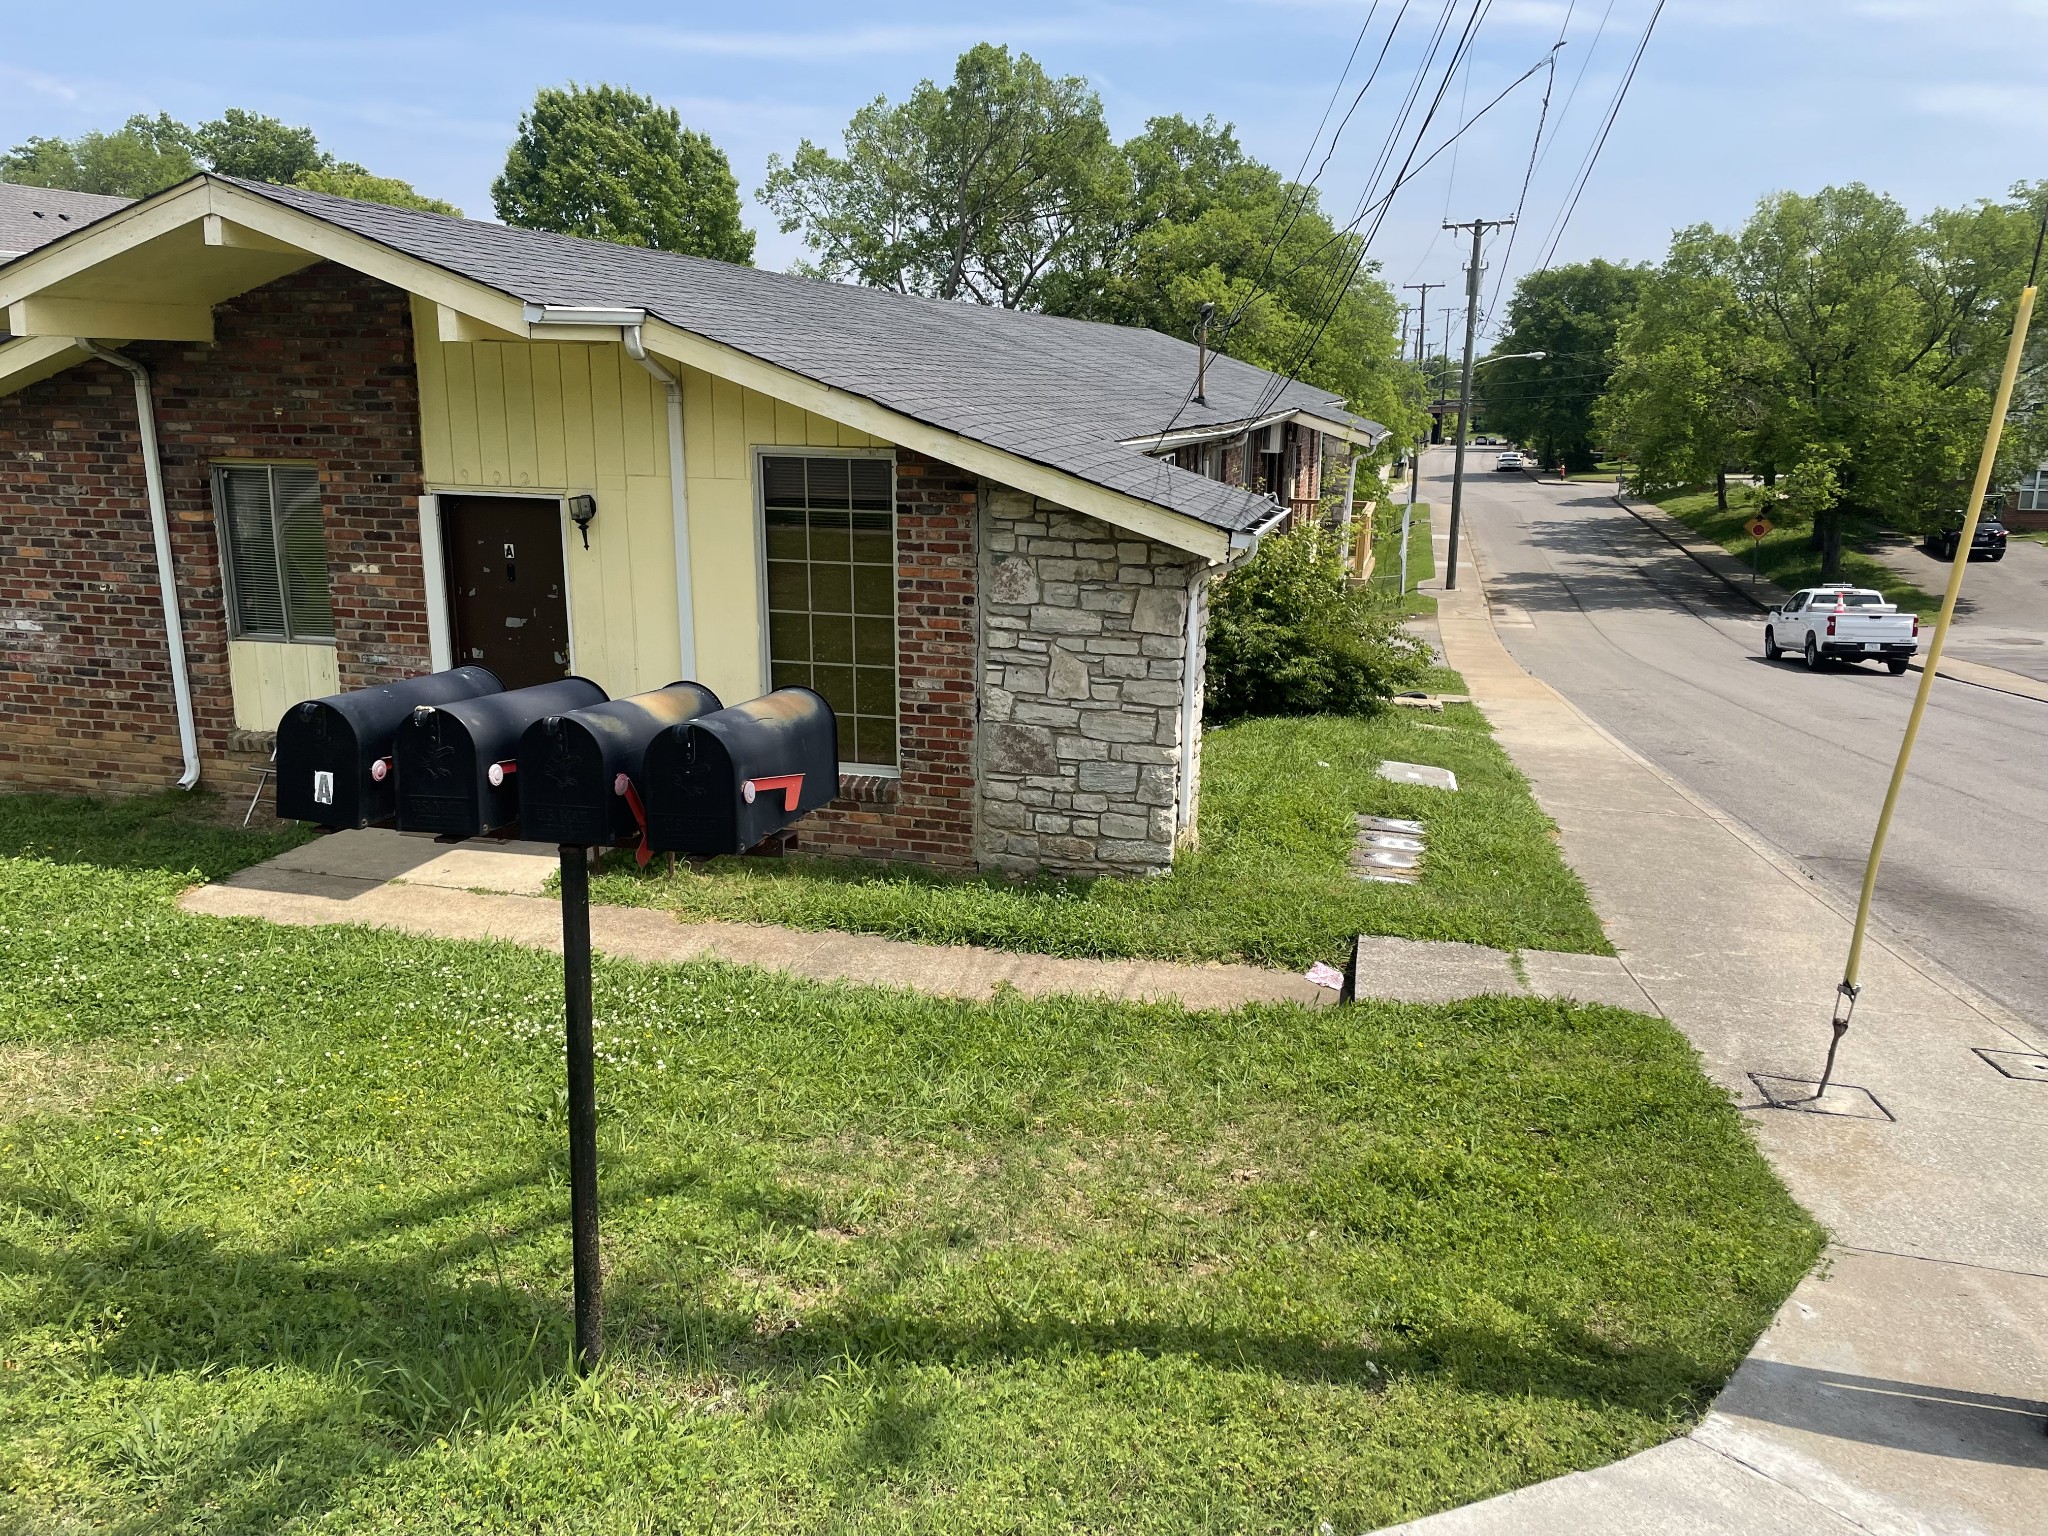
(491,891)
(1902,1387)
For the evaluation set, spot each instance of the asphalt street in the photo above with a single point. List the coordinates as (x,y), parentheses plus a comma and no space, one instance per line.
(2002,615)
(1660,654)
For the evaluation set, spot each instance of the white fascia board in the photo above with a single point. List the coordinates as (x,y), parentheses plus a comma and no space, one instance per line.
(1160,442)
(28,360)
(1057,486)
(119,231)
(1342,429)
(359,253)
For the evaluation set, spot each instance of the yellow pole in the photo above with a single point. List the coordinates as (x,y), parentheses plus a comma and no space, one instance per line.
(1846,992)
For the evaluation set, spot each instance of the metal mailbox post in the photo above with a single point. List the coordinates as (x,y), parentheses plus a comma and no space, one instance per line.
(724,781)
(458,765)
(580,773)
(449,753)
(334,765)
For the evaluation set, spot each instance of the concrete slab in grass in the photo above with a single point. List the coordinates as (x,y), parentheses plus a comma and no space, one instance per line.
(1418,773)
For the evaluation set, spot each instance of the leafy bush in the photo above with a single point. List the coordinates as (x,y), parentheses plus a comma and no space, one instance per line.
(1289,635)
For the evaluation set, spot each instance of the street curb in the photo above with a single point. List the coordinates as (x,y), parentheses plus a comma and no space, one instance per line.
(1697,553)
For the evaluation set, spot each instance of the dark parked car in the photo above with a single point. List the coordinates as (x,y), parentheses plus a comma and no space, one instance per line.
(1988,545)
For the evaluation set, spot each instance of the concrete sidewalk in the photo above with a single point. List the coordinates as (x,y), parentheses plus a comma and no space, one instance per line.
(491,891)
(1902,1386)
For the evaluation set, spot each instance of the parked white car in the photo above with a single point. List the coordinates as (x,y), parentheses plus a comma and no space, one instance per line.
(1826,624)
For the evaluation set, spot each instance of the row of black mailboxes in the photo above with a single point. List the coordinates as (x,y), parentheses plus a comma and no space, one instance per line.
(456,754)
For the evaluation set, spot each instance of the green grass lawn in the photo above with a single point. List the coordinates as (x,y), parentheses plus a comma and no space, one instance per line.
(1783,556)
(284,1248)
(173,830)
(1269,884)
(1386,554)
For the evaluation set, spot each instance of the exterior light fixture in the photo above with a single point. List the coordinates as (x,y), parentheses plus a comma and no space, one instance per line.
(583,512)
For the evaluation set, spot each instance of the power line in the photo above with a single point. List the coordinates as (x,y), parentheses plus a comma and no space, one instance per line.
(1408,171)
(1301,205)
(1593,158)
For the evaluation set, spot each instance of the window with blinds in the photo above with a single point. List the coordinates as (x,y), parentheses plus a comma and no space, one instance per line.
(830,527)
(274,551)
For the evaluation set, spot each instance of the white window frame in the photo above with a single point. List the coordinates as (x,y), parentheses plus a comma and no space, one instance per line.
(776,451)
(434,562)
(217,470)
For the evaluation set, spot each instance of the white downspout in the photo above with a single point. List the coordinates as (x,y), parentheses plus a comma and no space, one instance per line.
(1350,500)
(166,573)
(679,497)
(1190,709)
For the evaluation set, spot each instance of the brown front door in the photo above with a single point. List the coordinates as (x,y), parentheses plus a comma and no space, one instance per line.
(505,587)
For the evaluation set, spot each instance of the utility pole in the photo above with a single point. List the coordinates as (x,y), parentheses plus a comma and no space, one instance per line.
(1472,274)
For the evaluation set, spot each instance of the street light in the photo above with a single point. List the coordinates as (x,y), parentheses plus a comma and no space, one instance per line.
(1458,469)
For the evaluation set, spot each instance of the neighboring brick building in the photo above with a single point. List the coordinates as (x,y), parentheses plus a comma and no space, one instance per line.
(391,442)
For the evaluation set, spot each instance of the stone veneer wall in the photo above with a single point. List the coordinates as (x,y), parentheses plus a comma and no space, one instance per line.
(1084,644)
(314,367)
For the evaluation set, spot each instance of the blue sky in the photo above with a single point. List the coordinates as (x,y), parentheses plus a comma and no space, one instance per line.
(1936,101)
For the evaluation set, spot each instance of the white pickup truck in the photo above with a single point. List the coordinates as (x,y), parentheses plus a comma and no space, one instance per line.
(1826,624)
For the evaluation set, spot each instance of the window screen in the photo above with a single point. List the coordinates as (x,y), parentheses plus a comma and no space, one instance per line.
(831,541)
(274,543)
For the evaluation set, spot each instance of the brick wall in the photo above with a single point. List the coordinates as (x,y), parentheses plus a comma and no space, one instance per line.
(928,814)
(314,367)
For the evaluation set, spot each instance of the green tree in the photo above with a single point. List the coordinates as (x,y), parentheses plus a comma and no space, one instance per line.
(1833,331)
(345,179)
(1290,635)
(1571,314)
(1680,402)
(981,189)
(1199,221)
(258,148)
(142,156)
(609,164)
(146,155)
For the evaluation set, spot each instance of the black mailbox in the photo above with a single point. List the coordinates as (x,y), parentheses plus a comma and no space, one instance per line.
(721,783)
(334,762)
(458,764)
(575,769)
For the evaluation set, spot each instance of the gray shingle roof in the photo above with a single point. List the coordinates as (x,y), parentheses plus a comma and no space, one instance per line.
(1063,393)
(33,216)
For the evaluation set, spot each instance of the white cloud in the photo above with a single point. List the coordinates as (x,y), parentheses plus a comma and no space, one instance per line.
(871,41)
(42,85)
(2007,106)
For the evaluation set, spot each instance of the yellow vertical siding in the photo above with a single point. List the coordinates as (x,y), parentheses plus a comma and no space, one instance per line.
(267,678)
(569,418)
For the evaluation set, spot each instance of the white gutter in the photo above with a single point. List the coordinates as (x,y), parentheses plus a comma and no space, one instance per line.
(1190,705)
(679,496)
(1154,442)
(166,573)
(582,314)
(1246,540)
(1159,442)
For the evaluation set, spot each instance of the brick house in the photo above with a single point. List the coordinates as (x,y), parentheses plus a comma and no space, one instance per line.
(259,444)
